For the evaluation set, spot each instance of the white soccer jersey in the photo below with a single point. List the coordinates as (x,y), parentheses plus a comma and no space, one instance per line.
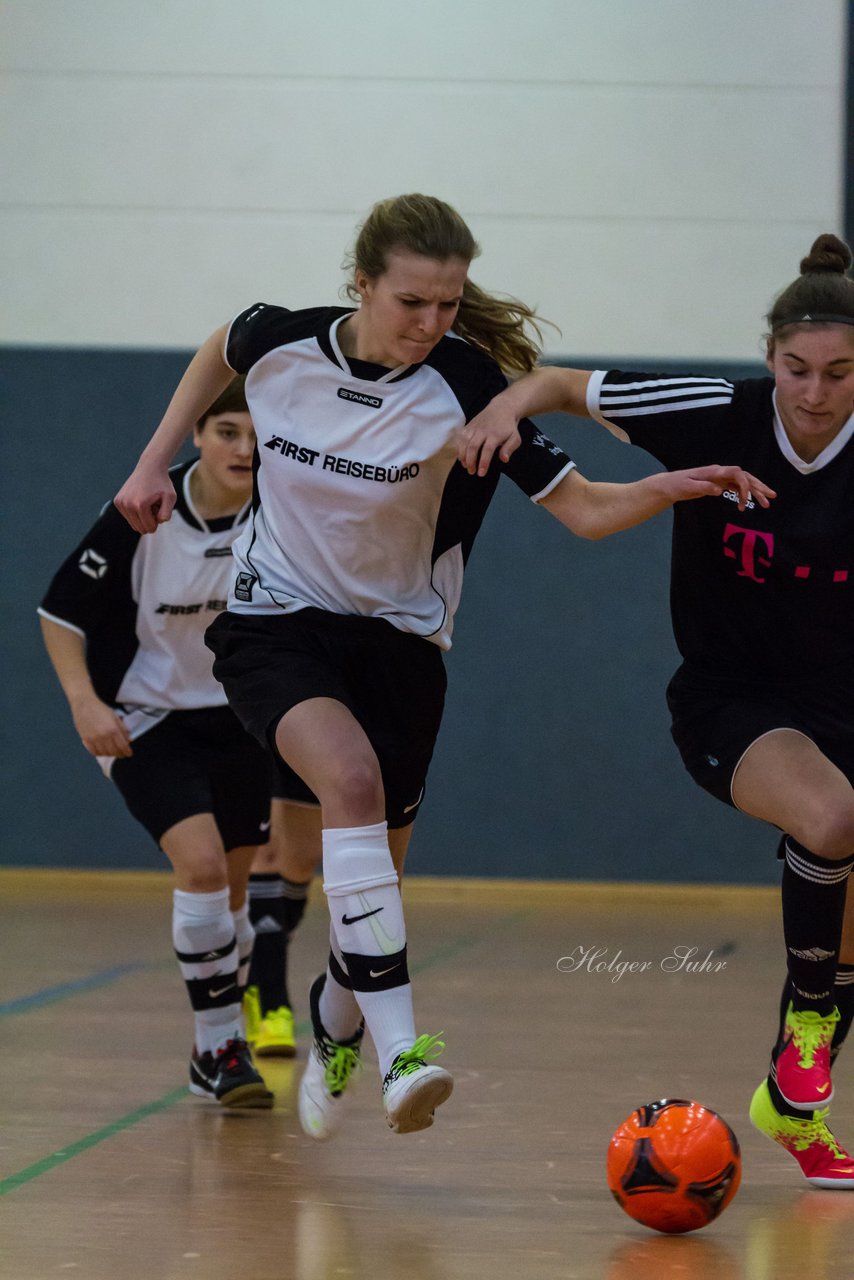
(143,605)
(360,506)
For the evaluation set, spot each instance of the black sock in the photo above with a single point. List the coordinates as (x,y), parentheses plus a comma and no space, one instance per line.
(296,897)
(267,912)
(843,992)
(784,1108)
(785,1001)
(813,908)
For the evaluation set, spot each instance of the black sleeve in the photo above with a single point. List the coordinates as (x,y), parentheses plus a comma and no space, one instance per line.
(537,463)
(681,420)
(472,375)
(262,328)
(94,582)
(475,379)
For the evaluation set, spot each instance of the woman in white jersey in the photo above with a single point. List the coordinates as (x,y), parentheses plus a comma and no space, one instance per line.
(763,613)
(123,621)
(349,574)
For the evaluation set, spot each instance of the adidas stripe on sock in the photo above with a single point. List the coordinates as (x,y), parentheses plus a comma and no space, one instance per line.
(813,894)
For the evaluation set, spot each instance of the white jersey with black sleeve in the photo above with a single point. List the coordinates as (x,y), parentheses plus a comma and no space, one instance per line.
(360,506)
(143,604)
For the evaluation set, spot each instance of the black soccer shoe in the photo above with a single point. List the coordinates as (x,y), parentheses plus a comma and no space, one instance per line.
(235,1081)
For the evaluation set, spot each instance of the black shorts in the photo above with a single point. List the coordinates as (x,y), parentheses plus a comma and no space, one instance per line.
(391,681)
(198,762)
(714,721)
(289,786)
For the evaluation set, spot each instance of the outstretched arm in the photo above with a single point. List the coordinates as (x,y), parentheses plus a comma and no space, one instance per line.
(147,497)
(102,732)
(546,390)
(593,510)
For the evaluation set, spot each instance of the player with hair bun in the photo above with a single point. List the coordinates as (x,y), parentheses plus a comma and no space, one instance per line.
(763,613)
(349,574)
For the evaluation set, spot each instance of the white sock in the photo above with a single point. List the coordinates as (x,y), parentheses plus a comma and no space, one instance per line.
(203,936)
(339,1010)
(361,887)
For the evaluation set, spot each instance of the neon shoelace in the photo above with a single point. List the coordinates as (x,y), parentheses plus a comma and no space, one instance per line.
(425,1048)
(814,1131)
(811,1034)
(340,1066)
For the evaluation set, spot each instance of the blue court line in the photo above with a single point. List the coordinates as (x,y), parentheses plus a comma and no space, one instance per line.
(438,956)
(65,989)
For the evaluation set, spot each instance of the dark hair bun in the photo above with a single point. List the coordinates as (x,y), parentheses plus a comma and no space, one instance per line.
(829,254)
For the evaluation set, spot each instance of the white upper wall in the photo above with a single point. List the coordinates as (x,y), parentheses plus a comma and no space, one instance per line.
(647,172)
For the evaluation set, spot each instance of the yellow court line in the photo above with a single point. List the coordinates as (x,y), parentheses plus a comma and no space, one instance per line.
(23,882)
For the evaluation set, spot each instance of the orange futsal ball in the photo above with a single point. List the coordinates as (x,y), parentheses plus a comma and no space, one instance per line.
(674,1165)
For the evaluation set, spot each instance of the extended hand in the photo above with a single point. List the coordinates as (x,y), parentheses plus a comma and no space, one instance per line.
(703,482)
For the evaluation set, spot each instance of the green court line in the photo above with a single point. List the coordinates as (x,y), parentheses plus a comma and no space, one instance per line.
(439,956)
(16,1180)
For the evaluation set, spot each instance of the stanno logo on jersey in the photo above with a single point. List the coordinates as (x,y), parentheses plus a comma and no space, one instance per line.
(358,398)
(92,564)
(243,586)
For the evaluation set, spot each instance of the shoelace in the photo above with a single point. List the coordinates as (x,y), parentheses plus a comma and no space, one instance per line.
(811,1033)
(425,1048)
(815,1130)
(341,1063)
(233,1048)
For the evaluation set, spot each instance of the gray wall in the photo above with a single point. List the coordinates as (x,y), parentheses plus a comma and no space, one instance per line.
(628,169)
(163,175)
(554,760)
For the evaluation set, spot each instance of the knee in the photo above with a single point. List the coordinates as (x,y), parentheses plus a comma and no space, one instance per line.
(266,861)
(833,833)
(206,873)
(354,788)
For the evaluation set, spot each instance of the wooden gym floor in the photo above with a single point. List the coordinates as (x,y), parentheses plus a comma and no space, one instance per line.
(111,1170)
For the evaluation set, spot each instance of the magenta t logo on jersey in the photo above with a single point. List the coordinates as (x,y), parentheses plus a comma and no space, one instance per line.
(748,552)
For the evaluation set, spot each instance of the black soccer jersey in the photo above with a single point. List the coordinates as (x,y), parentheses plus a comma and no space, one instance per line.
(360,506)
(764,594)
(143,604)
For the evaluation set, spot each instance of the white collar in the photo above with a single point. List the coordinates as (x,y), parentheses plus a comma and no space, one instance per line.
(342,359)
(203,524)
(827,454)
